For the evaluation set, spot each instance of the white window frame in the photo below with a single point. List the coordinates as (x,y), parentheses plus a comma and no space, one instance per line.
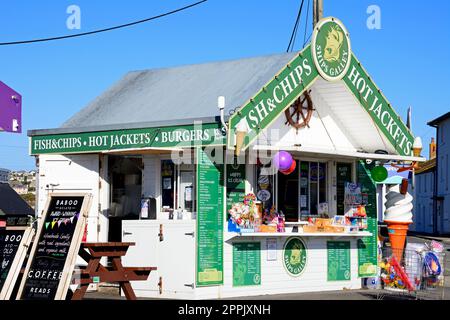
(177,180)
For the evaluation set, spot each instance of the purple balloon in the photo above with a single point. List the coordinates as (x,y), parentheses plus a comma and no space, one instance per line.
(282,160)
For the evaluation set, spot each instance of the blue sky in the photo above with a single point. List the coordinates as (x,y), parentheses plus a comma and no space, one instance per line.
(409,57)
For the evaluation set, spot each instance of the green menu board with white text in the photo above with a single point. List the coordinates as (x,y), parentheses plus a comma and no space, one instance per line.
(210,219)
(338,262)
(367,246)
(246,264)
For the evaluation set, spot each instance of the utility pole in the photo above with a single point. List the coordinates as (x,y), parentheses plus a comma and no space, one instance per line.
(318,11)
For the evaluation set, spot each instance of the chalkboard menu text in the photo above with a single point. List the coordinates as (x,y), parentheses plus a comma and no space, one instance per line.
(14,242)
(56,247)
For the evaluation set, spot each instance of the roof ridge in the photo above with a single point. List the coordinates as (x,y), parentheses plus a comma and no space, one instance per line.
(214,62)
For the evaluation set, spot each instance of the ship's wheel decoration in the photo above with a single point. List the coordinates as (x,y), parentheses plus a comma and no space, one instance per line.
(299,114)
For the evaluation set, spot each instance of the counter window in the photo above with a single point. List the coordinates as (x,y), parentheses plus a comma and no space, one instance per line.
(288,194)
(265,186)
(177,186)
(168,184)
(303,190)
(186,192)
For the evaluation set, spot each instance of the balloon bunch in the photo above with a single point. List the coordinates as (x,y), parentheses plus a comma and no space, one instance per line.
(284,162)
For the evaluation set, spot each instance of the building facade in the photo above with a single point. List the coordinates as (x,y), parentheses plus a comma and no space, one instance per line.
(425,188)
(441,197)
(4,174)
(165,168)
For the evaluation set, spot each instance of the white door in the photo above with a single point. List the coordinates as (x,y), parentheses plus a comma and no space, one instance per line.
(71,173)
(143,254)
(174,256)
(177,258)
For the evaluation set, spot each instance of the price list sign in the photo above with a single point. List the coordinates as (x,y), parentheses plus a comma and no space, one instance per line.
(338,260)
(53,255)
(210,205)
(367,247)
(246,264)
(235,184)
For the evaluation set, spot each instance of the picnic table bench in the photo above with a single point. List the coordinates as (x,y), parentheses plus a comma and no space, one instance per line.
(92,253)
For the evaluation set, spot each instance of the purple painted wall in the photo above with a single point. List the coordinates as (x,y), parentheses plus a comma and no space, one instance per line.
(10,109)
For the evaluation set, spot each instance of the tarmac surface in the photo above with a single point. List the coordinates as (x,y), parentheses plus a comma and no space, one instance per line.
(112,293)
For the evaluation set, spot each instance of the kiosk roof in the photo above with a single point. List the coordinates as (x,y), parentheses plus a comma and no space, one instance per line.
(179,93)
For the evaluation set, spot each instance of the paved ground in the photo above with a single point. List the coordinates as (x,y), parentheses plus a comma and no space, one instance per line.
(113,293)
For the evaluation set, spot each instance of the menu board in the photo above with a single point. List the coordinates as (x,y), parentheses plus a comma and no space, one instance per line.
(246,264)
(53,255)
(367,246)
(9,244)
(338,260)
(210,220)
(235,184)
(14,243)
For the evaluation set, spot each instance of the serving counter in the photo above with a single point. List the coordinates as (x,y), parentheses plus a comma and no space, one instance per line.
(253,263)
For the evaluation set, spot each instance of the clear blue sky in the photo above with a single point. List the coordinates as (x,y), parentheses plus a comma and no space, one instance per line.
(409,58)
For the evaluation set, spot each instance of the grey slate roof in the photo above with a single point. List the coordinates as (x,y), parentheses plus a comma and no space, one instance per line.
(11,203)
(173,94)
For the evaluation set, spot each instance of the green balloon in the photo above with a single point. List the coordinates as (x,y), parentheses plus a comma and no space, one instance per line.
(379,173)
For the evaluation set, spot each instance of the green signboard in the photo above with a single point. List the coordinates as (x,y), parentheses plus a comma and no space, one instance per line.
(295,256)
(210,205)
(331,49)
(161,137)
(246,264)
(235,184)
(338,260)
(380,110)
(368,246)
(265,107)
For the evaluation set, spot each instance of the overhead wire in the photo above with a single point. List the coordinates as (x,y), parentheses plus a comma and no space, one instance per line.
(294,30)
(103,30)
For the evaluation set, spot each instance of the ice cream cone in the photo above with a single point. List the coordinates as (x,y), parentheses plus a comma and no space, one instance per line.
(417,147)
(240,136)
(242,129)
(397,235)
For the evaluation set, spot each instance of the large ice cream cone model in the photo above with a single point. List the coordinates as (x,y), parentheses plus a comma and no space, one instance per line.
(398,217)
(240,136)
(242,129)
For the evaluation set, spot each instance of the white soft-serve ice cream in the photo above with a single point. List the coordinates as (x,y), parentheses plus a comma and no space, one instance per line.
(398,206)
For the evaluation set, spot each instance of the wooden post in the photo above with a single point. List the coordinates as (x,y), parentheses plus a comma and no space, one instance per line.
(317,11)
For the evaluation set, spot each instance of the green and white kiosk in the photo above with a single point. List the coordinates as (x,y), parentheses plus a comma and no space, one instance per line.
(164,169)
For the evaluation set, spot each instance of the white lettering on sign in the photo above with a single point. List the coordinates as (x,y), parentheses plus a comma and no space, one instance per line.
(116,140)
(185,136)
(45,274)
(280,92)
(62,143)
(379,110)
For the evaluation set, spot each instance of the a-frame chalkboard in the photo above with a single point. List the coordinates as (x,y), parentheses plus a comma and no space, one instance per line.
(52,259)
(14,244)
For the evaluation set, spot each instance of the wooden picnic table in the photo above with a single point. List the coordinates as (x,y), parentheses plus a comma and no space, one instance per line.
(92,253)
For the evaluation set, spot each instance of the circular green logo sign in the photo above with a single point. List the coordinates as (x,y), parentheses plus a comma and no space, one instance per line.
(294,256)
(331,49)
